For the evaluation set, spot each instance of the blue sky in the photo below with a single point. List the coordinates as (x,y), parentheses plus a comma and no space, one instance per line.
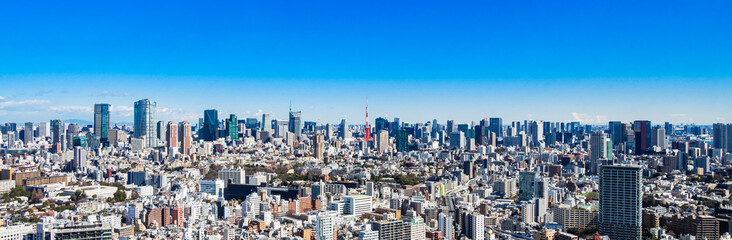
(572,60)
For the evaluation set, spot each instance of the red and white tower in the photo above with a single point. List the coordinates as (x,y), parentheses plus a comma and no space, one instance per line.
(367,131)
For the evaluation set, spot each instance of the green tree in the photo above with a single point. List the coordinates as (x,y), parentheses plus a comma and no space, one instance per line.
(120,196)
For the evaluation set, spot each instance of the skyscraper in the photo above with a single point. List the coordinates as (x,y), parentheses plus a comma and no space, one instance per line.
(450,126)
(535,130)
(145,119)
(620,201)
(210,129)
(232,129)
(185,137)
(616,132)
(101,123)
(722,134)
(497,126)
(57,133)
(160,129)
(402,140)
(171,136)
(382,140)
(598,150)
(457,140)
(344,132)
(669,128)
(267,122)
(28,133)
(318,146)
(642,131)
(295,124)
(658,137)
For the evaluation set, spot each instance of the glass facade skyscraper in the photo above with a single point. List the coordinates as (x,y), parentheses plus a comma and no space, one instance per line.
(145,120)
(266,122)
(101,123)
(295,124)
(232,129)
(496,126)
(210,129)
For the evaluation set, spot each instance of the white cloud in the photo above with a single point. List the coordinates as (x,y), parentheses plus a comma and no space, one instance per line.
(111,94)
(70,109)
(124,111)
(587,119)
(23,104)
(2,98)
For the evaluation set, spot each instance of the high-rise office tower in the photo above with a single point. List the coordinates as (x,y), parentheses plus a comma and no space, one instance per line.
(72,131)
(616,132)
(381,124)
(28,133)
(328,131)
(101,123)
(184,134)
(450,126)
(344,131)
(598,150)
(536,133)
(658,137)
(401,138)
(44,130)
(79,162)
(457,140)
(497,126)
(642,131)
(57,133)
(145,119)
(267,122)
(396,125)
(526,185)
(318,146)
(210,129)
(171,135)
(669,128)
(232,129)
(480,137)
(722,134)
(160,131)
(620,201)
(382,140)
(295,123)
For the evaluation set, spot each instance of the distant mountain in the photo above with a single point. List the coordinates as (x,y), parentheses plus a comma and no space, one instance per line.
(79,121)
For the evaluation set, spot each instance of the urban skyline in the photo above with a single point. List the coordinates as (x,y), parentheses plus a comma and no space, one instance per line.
(375,120)
(589,61)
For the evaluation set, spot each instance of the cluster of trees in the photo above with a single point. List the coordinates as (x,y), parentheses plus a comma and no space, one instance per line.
(402,179)
(16,192)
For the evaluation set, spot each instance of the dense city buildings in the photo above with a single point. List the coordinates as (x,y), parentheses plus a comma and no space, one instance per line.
(288,178)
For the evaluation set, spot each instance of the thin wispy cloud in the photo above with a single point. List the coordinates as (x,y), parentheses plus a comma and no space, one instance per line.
(587,119)
(105,94)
